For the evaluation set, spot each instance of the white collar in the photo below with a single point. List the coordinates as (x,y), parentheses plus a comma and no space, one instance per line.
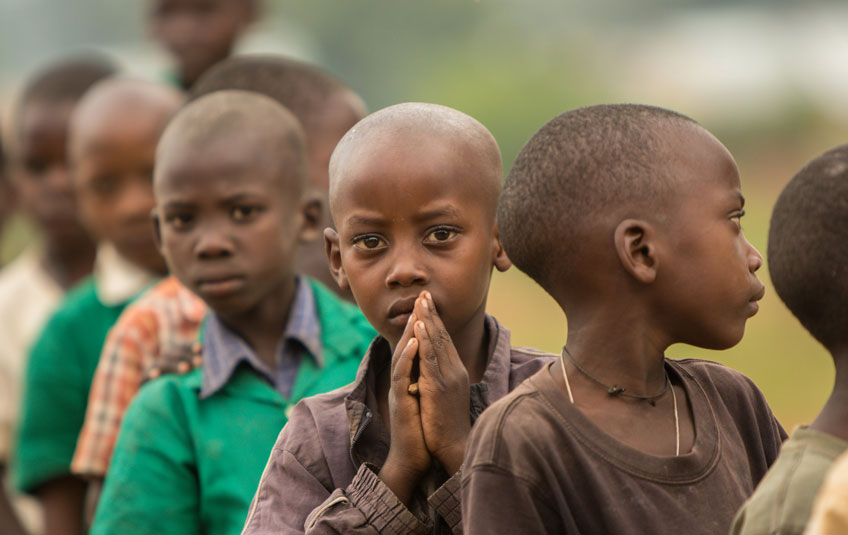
(116,279)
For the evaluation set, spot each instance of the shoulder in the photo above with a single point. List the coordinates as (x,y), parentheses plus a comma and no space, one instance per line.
(731,385)
(784,498)
(514,415)
(169,394)
(525,361)
(315,424)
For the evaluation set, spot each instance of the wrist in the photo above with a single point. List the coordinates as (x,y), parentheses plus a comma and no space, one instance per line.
(452,457)
(399,478)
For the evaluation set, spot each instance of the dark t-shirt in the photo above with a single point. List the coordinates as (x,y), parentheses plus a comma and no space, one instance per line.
(536,464)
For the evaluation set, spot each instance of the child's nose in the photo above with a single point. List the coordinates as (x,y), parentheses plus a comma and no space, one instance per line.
(213,245)
(755,259)
(406,271)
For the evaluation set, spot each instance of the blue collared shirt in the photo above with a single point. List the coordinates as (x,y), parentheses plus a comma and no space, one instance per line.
(224,350)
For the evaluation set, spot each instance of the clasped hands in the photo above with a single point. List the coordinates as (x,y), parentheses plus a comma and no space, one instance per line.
(433,423)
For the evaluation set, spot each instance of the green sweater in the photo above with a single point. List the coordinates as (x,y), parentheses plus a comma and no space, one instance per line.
(57,380)
(186,465)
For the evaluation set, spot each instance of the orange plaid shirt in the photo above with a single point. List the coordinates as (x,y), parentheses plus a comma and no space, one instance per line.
(168,316)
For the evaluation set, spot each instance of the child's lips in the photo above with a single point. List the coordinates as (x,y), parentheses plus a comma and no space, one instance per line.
(220,286)
(400,310)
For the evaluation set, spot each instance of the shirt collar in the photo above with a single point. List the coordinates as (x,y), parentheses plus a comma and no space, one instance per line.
(116,279)
(224,350)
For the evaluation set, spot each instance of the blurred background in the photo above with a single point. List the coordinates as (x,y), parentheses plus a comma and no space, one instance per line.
(768,77)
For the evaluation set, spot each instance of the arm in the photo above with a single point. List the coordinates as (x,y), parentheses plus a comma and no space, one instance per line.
(152,485)
(9,522)
(52,409)
(130,346)
(297,491)
(496,501)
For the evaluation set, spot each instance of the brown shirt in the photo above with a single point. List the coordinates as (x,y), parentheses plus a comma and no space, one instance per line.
(536,464)
(322,474)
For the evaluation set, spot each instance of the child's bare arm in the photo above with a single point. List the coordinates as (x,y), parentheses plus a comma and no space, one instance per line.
(62,502)
(9,522)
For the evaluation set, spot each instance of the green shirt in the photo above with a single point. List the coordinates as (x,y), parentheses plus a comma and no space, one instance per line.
(783,501)
(58,377)
(187,465)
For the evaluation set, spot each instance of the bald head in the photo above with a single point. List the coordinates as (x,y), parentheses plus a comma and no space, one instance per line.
(407,129)
(249,122)
(119,101)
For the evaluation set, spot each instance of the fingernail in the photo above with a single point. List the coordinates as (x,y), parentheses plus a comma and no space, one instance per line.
(411,341)
(424,304)
(420,324)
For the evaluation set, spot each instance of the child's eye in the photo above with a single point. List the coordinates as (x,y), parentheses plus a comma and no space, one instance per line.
(244,213)
(369,242)
(738,217)
(178,221)
(441,234)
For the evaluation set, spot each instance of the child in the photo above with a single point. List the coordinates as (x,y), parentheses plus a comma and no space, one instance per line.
(326,109)
(230,187)
(113,136)
(165,320)
(413,192)
(33,284)
(808,259)
(199,33)
(629,216)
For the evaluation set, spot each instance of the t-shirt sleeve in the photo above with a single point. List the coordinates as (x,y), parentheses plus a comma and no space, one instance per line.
(151,487)
(52,408)
(496,499)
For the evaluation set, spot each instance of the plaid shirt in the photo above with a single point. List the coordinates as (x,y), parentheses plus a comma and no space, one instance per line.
(224,350)
(166,318)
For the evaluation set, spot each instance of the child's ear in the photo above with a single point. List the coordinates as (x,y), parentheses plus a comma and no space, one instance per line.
(637,250)
(334,256)
(157,230)
(501,260)
(312,208)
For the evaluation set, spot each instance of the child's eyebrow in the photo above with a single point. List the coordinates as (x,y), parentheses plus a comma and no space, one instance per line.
(443,211)
(364,220)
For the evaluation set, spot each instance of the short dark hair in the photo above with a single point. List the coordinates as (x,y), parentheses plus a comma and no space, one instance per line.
(65,80)
(302,88)
(808,247)
(580,164)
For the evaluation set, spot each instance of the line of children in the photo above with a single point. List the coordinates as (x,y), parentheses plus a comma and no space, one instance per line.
(232,207)
(32,286)
(808,264)
(629,217)
(113,136)
(413,193)
(158,330)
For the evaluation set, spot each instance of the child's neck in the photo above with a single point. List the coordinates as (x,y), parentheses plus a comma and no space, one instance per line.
(69,261)
(625,353)
(263,325)
(833,418)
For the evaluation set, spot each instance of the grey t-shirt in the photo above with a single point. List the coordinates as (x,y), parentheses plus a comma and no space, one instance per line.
(536,464)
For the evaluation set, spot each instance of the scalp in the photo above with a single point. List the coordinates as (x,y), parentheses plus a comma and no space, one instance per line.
(583,167)
(119,101)
(404,127)
(808,247)
(260,124)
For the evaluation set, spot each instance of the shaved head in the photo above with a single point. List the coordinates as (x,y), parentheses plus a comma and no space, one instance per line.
(119,101)
(406,128)
(255,122)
